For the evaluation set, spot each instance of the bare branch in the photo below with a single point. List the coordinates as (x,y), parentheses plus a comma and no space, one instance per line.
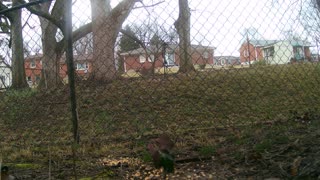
(26,21)
(76,35)
(4,8)
(147,6)
(45,15)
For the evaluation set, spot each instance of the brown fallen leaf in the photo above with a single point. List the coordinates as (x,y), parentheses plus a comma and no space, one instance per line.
(295,166)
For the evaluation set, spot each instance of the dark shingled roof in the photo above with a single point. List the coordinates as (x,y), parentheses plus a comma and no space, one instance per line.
(154,49)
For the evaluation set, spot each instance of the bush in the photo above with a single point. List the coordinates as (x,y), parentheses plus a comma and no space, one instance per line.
(202,66)
(207,150)
(145,71)
(259,63)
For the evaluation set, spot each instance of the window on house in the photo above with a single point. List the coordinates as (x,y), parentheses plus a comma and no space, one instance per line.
(205,55)
(269,52)
(37,78)
(151,58)
(29,78)
(245,53)
(169,57)
(32,64)
(298,53)
(82,66)
(142,58)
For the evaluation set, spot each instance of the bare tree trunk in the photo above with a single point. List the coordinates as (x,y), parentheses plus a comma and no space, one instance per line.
(51,18)
(120,64)
(106,25)
(182,25)
(50,67)
(18,71)
(50,60)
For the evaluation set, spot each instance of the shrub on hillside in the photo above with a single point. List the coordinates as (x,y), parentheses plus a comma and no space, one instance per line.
(259,63)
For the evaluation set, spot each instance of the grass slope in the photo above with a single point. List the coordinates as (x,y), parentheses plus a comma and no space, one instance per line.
(256,122)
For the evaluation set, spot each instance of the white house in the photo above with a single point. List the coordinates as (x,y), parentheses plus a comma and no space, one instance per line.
(5,75)
(283,52)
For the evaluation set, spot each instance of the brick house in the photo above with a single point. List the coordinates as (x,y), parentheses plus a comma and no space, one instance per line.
(82,63)
(137,60)
(287,51)
(252,51)
(33,67)
(275,51)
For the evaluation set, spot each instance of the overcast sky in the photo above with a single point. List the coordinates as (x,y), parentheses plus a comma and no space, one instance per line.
(221,23)
(214,23)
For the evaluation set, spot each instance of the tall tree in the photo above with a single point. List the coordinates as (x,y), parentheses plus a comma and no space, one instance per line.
(51,57)
(309,17)
(156,40)
(182,25)
(126,42)
(159,45)
(18,71)
(51,16)
(106,25)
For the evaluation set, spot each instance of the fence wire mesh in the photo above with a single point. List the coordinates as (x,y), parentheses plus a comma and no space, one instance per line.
(234,84)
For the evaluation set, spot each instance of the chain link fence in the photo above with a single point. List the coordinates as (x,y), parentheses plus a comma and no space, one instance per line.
(235,85)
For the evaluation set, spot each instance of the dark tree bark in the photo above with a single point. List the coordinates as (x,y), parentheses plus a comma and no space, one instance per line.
(182,25)
(106,25)
(50,22)
(50,60)
(18,71)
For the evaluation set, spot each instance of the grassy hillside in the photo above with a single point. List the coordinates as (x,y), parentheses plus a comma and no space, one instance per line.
(256,122)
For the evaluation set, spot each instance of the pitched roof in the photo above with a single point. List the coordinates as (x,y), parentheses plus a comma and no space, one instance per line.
(260,43)
(3,63)
(34,56)
(300,43)
(292,43)
(227,57)
(155,49)
(79,57)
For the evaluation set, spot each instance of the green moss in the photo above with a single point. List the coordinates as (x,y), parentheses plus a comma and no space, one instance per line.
(207,150)
(27,166)
(263,146)
(146,156)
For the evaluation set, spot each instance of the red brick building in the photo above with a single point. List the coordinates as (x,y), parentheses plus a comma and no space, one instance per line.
(252,51)
(33,67)
(275,51)
(136,59)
